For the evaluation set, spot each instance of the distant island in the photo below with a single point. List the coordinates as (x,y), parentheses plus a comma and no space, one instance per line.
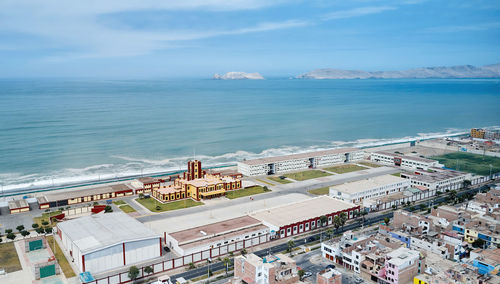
(462,71)
(239,76)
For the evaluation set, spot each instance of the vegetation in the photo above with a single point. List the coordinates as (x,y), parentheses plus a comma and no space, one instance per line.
(127,208)
(153,205)
(192,266)
(119,202)
(263,181)
(243,251)
(479,243)
(11,236)
(35,225)
(386,221)
(246,191)
(305,175)
(280,180)
(108,209)
(61,258)
(8,258)
(323,220)
(133,272)
(226,261)
(320,191)
(472,163)
(148,269)
(301,273)
(291,245)
(342,169)
(25,233)
(20,228)
(368,164)
(396,174)
(45,218)
(48,230)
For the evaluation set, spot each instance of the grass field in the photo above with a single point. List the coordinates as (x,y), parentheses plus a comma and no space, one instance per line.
(305,175)
(8,258)
(472,163)
(127,208)
(151,204)
(246,192)
(61,259)
(396,174)
(277,179)
(119,202)
(368,164)
(263,181)
(45,217)
(320,191)
(345,169)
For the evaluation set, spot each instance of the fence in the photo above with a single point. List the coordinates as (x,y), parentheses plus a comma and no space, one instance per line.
(166,265)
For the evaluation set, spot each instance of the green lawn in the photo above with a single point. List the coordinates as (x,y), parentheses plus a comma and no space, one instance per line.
(263,181)
(61,259)
(151,204)
(305,175)
(368,164)
(320,191)
(45,217)
(278,179)
(472,163)
(246,192)
(119,202)
(8,258)
(345,169)
(127,208)
(396,174)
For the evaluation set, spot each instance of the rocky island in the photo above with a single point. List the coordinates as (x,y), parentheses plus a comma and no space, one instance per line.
(238,76)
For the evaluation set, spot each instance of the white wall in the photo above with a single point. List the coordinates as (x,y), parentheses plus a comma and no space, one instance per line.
(141,250)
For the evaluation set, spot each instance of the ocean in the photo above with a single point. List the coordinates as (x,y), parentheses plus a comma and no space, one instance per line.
(56,131)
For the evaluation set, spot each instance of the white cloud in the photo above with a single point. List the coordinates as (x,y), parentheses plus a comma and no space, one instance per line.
(357,12)
(464,28)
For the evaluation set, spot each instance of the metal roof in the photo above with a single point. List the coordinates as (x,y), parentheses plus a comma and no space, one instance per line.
(367,184)
(95,232)
(300,156)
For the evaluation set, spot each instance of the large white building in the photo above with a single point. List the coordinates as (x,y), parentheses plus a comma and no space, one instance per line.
(439,179)
(302,161)
(403,161)
(360,190)
(102,242)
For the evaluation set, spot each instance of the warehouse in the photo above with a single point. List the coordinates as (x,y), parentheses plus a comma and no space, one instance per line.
(303,216)
(357,191)
(18,206)
(283,164)
(407,162)
(438,179)
(244,231)
(102,242)
(66,198)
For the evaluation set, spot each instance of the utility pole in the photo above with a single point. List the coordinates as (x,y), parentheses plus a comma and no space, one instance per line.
(208,271)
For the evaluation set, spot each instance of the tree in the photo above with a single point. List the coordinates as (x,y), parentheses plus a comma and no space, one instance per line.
(226,261)
(25,233)
(479,243)
(329,232)
(1,240)
(45,222)
(343,219)
(11,236)
(336,222)
(133,272)
(158,208)
(39,230)
(141,195)
(394,207)
(422,206)
(301,273)
(108,209)
(243,252)
(48,230)
(386,221)
(266,188)
(453,194)
(20,228)
(291,244)
(96,203)
(467,183)
(438,193)
(323,220)
(148,269)
(192,266)
(408,203)
(8,231)
(35,225)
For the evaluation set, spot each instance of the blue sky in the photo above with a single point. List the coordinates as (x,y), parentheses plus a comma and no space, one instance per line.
(154,38)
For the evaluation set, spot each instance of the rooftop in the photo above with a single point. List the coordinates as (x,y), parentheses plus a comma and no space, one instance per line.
(98,231)
(435,176)
(299,156)
(366,184)
(148,180)
(16,204)
(70,194)
(402,255)
(303,210)
(406,157)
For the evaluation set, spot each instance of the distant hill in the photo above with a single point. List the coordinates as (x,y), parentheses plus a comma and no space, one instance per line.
(461,71)
(238,76)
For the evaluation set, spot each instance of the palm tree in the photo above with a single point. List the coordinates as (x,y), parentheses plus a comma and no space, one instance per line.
(329,232)
(336,222)
(291,244)
(226,261)
(343,219)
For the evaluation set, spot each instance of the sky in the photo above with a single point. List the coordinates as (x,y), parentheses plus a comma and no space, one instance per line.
(197,38)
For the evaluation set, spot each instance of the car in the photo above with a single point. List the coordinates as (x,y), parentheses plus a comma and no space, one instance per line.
(167,249)
(307,274)
(330,266)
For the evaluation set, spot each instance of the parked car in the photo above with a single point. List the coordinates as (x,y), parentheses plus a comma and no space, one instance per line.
(330,266)
(307,274)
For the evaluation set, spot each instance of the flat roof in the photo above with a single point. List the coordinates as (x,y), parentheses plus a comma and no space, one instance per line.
(435,176)
(303,210)
(299,156)
(490,256)
(16,204)
(70,194)
(402,255)
(406,157)
(94,232)
(148,180)
(366,184)
(215,229)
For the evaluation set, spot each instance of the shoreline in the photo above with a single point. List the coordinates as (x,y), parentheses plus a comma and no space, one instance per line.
(93,182)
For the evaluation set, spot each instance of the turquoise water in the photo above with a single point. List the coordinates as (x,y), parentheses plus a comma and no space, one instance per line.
(56,131)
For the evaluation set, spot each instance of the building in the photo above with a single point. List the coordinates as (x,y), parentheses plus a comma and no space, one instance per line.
(487,261)
(302,161)
(18,206)
(485,228)
(403,161)
(70,197)
(103,242)
(402,265)
(485,134)
(358,191)
(303,216)
(477,133)
(146,184)
(329,276)
(197,184)
(270,269)
(411,194)
(439,179)
(244,231)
